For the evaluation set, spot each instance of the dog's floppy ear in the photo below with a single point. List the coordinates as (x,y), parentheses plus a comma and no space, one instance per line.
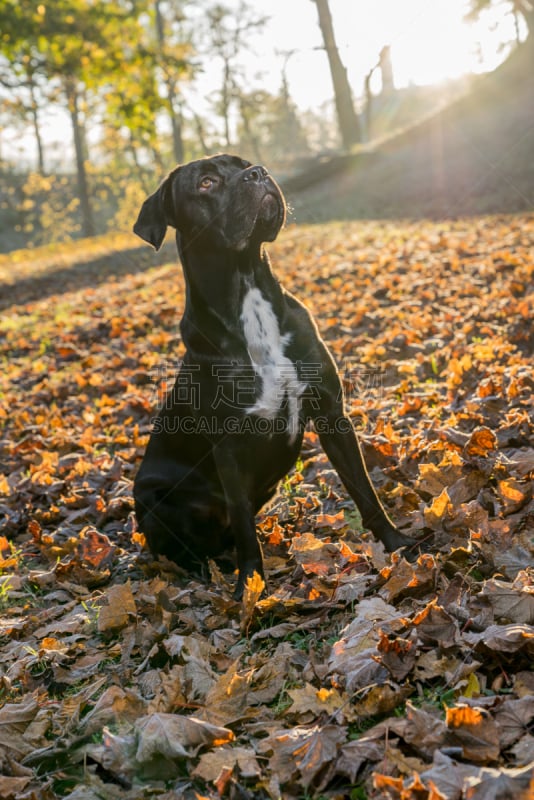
(156,213)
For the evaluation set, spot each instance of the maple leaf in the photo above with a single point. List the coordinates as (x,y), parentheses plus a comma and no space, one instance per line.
(115,613)
(304,752)
(175,736)
(474,731)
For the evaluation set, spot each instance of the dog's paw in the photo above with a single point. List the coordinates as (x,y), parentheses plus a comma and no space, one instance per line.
(411,548)
(393,539)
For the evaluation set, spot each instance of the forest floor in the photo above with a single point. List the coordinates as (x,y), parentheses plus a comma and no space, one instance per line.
(359,675)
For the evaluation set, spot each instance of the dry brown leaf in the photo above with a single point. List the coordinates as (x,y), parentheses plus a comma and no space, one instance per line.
(12,788)
(174,736)
(254,587)
(304,752)
(95,548)
(474,731)
(514,719)
(315,556)
(120,606)
(504,784)
(353,755)
(14,721)
(397,656)
(114,706)
(524,684)
(212,763)
(440,508)
(523,751)
(514,494)
(482,441)
(308,699)
(424,730)
(390,788)
(429,665)
(434,624)
(268,679)
(448,775)
(433,478)
(467,488)
(505,638)
(508,602)
(228,698)
(381,700)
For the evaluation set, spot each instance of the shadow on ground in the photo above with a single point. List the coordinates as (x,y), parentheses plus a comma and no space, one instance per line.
(74,273)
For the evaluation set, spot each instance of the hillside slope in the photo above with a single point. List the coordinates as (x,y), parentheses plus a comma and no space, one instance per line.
(474,156)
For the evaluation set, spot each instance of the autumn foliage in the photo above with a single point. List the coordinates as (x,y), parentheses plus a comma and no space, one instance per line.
(355,674)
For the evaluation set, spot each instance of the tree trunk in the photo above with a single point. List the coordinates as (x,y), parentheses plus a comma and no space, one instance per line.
(225,102)
(349,127)
(177,138)
(36,129)
(170,85)
(88,225)
(367,133)
(254,144)
(386,70)
(199,125)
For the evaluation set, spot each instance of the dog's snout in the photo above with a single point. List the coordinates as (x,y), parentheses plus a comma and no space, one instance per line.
(256,174)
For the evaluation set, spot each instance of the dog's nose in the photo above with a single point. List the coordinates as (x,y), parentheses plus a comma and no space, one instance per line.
(256,174)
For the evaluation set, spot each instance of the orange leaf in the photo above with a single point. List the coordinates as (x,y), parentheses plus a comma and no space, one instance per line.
(334,521)
(481,441)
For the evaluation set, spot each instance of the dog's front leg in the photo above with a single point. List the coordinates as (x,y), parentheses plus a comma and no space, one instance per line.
(341,445)
(241,513)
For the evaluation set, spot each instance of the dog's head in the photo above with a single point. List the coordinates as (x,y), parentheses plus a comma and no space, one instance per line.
(220,201)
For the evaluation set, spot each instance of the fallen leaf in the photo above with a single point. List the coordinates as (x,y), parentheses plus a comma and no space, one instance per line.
(304,752)
(434,624)
(397,656)
(474,731)
(494,784)
(12,788)
(353,755)
(514,718)
(316,701)
(482,441)
(508,602)
(211,763)
(448,775)
(174,736)
(14,721)
(120,606)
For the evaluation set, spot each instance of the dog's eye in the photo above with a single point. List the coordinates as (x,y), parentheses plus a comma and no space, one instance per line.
(206,182)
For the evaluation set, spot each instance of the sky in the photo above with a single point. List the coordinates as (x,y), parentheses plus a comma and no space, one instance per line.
(430,42)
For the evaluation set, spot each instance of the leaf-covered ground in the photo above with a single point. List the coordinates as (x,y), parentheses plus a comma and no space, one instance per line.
(360,675)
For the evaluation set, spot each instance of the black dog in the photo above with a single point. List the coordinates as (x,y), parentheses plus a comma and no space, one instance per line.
(255,371)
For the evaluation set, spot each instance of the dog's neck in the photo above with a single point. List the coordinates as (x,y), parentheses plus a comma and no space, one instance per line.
(215,292)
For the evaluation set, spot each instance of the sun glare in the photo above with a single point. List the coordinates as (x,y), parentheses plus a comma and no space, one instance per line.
(430,42)
(428,55)
(440,44)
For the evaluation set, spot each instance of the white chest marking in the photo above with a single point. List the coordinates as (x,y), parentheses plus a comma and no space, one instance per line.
(266,348)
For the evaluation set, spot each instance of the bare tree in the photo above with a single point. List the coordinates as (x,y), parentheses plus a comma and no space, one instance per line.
(229,30)
(349,126)
(19,74)
(71,88)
